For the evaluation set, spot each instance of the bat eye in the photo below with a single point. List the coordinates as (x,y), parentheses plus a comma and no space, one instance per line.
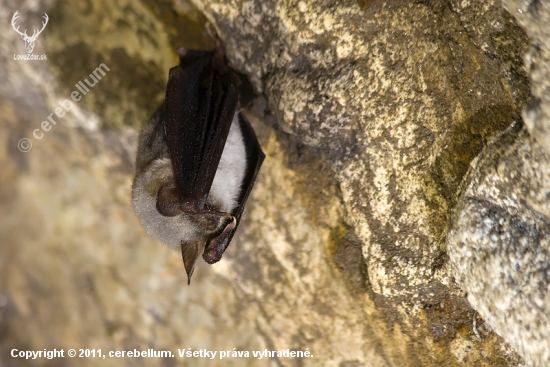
(168,201)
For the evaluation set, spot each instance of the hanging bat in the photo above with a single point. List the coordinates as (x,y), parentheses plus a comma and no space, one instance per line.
(197,159)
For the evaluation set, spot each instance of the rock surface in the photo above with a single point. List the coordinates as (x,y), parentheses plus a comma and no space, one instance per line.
(76,268)
(534,16)
(500,238)
(397,98)
(373,112)
(499,243)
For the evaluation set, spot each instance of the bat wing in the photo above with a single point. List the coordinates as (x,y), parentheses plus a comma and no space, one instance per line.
(202,97)
(200,104)
(254,159)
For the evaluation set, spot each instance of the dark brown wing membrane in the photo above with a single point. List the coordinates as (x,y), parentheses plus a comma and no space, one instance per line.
(254,158)
(201,100)
(200,105)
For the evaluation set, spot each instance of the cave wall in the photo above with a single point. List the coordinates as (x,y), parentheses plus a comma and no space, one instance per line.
(365,239)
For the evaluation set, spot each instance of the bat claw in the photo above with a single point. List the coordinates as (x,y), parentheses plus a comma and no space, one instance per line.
(219,51)
(211,33)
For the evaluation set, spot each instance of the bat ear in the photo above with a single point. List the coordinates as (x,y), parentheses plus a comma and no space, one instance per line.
(168,201)
(217,245)
(190,252)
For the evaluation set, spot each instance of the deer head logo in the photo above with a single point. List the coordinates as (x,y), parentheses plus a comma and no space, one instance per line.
(29,41)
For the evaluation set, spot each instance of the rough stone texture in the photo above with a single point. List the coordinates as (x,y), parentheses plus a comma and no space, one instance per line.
(534,16)
(397,98)
(500,246)
(76,268)
(372,114)
(500,238)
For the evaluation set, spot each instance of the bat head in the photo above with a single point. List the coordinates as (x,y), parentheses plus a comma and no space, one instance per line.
(165,218)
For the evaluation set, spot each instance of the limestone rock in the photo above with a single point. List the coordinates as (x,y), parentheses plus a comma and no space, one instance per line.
(499,243)
(397,98)
(534,17)
(371,114)
(500,238)
(76,268)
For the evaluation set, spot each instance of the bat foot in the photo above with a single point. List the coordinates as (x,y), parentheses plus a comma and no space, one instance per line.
(218,60)
(213,35)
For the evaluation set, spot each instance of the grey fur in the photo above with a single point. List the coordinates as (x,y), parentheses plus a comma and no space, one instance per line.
(154,169)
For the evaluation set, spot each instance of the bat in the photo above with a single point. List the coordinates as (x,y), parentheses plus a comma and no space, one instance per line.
(197,158)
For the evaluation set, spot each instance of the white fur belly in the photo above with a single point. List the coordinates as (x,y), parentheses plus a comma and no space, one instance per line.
(228,180)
